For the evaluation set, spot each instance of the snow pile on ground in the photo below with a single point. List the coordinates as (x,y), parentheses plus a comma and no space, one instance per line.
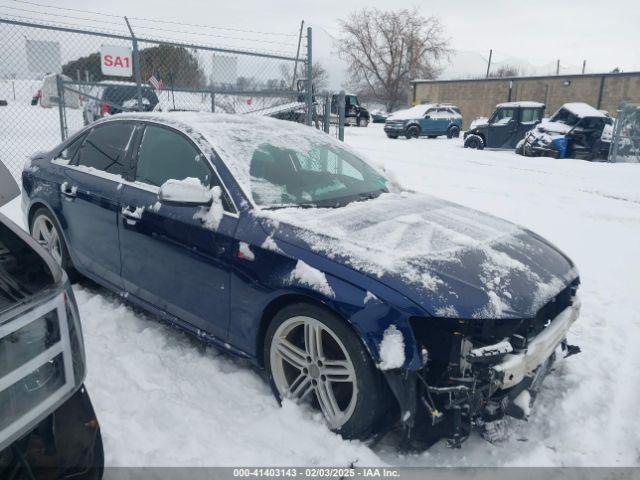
(305,274)
(164,399)
(391,349)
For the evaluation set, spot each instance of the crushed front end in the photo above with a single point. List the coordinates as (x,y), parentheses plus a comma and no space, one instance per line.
(475,372)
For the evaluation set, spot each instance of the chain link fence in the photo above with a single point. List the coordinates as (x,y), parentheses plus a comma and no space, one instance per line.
(625,142)
(54,79)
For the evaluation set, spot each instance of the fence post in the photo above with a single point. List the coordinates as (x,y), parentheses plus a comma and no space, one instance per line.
(309,76)
(213,102)
(136,64)
(61,108)
(327,113)
(341,101)
(615,136)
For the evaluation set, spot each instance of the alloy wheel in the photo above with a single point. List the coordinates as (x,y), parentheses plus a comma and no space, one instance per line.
(46,235)
(310,362)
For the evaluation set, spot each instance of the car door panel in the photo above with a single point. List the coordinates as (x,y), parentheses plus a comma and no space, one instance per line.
(89,199)
(170,257)
(89,205)
(171,260)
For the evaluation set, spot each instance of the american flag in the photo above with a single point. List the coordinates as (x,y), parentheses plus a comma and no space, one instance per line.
(157,84)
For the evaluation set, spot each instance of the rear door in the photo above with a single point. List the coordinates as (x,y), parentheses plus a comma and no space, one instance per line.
(90,199)
(503,128)
(170,258)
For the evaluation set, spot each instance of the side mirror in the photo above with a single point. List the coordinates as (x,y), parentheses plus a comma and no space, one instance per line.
(184,192)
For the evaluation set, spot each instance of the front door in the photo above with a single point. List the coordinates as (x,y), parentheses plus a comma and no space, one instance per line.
(503,128)
(90,199)
(176,257)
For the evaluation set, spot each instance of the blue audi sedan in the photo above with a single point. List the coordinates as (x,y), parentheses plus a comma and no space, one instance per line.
(382,308)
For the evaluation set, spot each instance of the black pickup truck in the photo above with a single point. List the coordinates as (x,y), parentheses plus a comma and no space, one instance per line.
(48,429)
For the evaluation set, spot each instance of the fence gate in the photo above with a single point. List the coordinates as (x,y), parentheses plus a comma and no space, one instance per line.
(54,80)
(625,142)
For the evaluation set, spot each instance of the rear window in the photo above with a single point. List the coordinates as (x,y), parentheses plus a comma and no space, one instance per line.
(121,93)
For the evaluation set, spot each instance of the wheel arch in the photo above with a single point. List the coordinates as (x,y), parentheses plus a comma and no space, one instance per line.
(283,301)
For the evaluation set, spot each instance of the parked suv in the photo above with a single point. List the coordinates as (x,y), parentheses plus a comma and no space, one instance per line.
(47,423)
(117,97)
(506,127)
(425,120)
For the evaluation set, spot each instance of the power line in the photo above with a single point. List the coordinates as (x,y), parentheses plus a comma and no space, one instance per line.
(137,26)
(26,2)
(62,15)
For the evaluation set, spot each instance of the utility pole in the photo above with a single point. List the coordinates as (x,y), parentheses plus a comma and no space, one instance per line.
(489,62)
(558,67)
(584,66)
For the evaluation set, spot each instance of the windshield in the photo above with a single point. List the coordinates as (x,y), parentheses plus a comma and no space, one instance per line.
(318,175)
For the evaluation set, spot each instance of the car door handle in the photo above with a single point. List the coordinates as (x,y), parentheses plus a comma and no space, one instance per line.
(69,191)
(131,216)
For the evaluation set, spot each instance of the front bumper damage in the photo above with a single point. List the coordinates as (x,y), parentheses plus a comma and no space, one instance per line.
(488,383)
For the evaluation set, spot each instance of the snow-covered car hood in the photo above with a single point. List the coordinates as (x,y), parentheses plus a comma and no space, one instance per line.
(479,122)
(451,260)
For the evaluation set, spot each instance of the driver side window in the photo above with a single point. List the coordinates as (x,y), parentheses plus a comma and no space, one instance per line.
(165,154)
(504,116)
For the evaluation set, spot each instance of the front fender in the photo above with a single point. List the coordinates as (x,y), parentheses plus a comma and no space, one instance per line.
(281,273)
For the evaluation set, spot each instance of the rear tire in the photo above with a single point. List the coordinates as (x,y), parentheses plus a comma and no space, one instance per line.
(45,230)
(295,364)
(453,132)
(474,141)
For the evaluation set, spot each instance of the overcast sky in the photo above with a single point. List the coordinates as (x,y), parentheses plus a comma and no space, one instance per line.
(605,33)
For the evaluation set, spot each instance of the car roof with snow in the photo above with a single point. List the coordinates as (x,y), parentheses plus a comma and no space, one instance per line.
(582,110)
(525,104)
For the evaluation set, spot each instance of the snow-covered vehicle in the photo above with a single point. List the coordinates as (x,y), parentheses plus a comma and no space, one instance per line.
(48,428)
(508,124)
(377,306)
(576,130)
(428,120)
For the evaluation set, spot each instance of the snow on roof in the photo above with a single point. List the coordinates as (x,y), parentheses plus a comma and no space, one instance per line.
(409,113)
(521,104)
(582,110)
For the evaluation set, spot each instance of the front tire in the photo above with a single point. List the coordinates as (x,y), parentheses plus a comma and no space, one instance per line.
(311,355)
(363,122)
(474,141)
(413,132)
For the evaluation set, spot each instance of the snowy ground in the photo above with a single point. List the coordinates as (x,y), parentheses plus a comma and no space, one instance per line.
(163,399)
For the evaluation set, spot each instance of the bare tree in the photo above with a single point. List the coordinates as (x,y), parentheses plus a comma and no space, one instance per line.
(505,71)
(387,49)
(319,75)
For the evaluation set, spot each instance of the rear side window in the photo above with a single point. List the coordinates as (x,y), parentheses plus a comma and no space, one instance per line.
(531,115)
(165,154)
(105,148)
